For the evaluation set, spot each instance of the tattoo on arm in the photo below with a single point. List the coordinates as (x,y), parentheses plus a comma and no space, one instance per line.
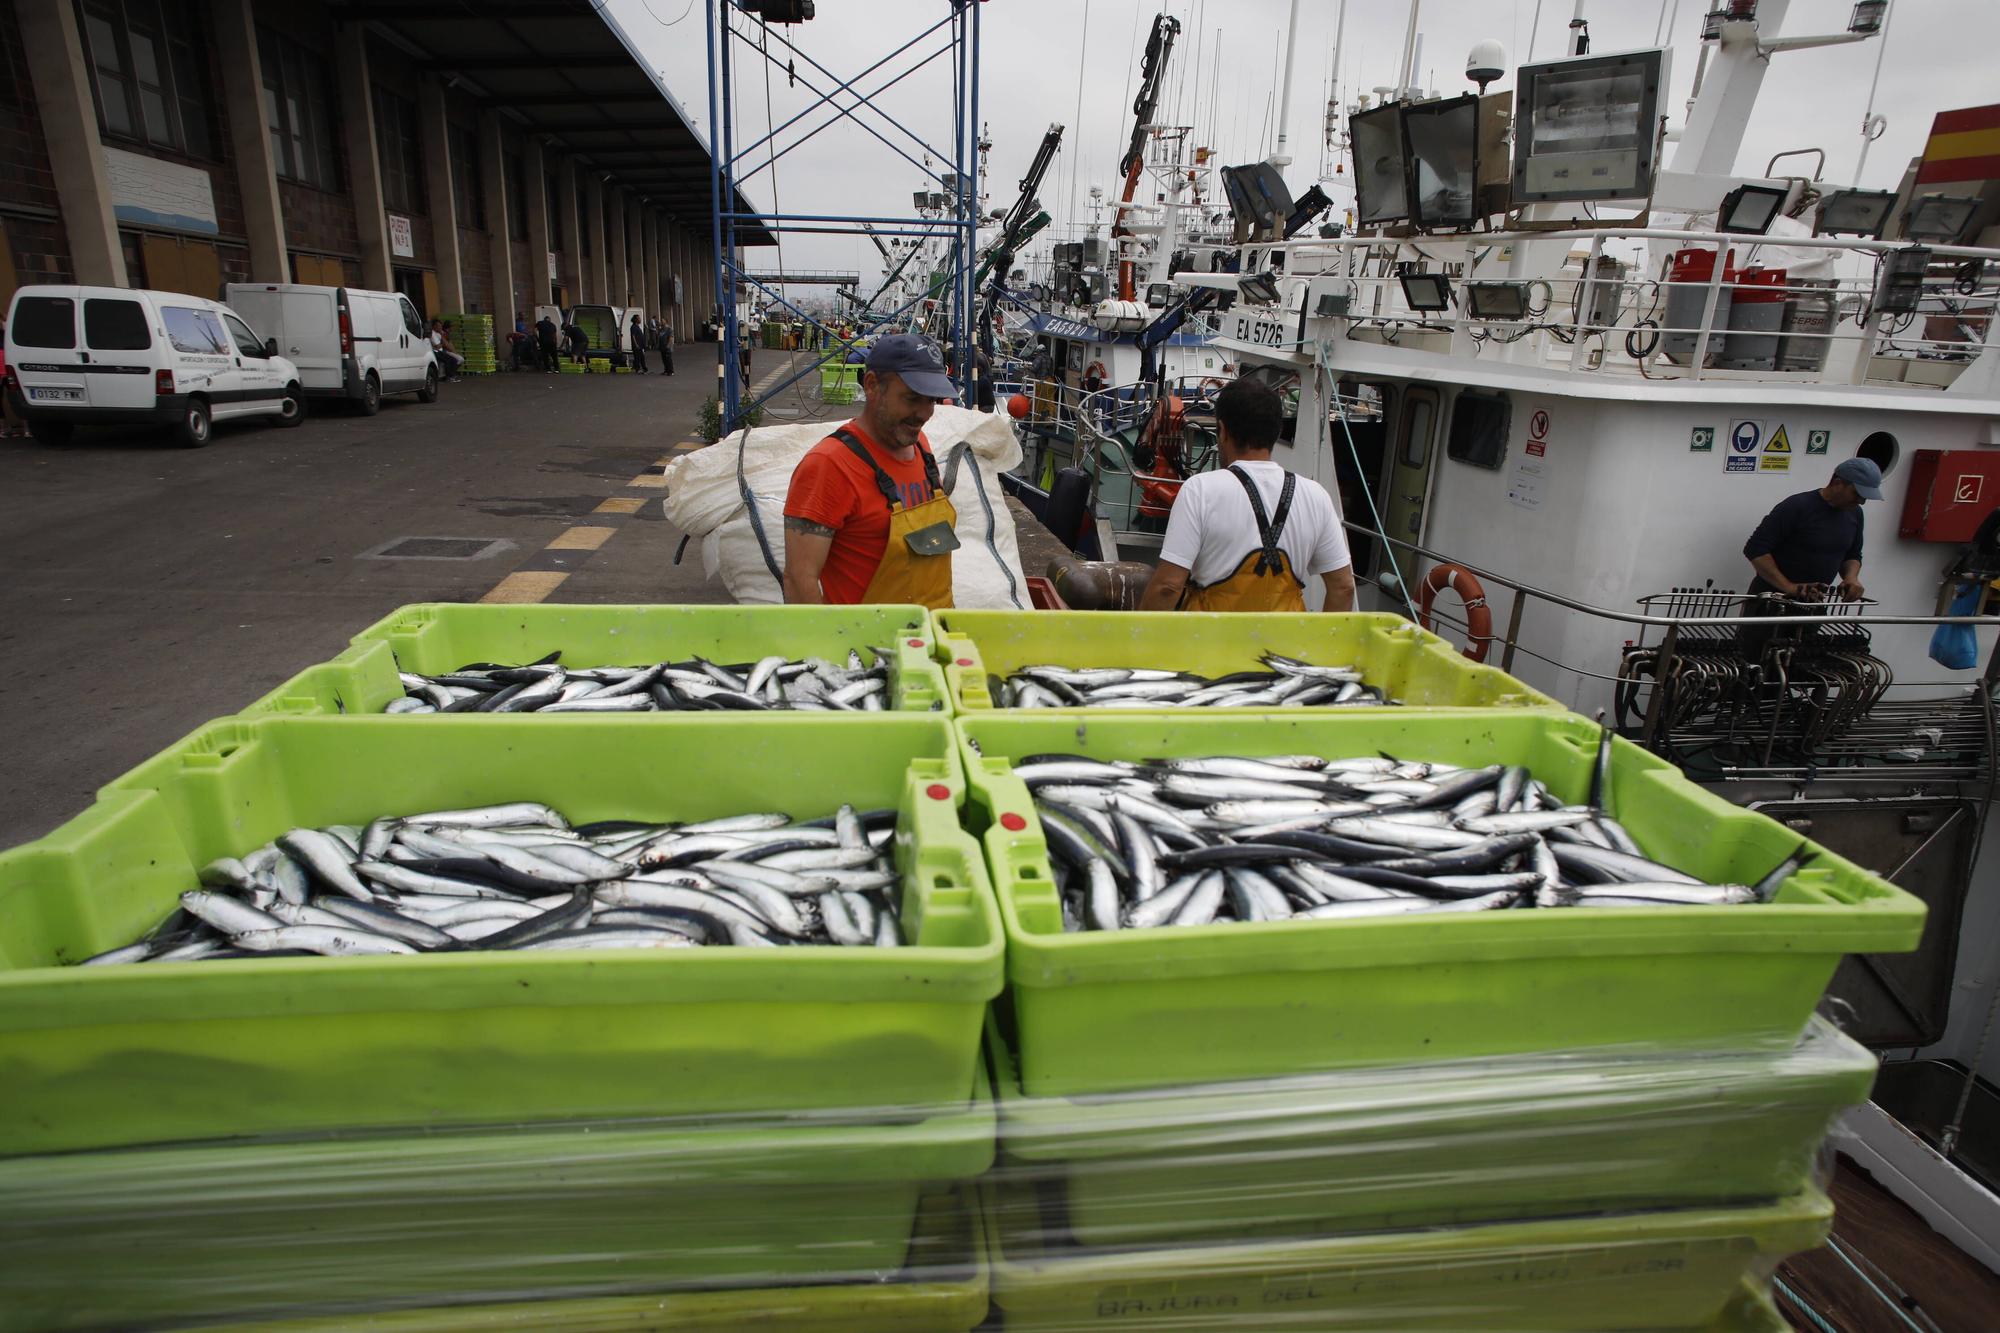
(807,527)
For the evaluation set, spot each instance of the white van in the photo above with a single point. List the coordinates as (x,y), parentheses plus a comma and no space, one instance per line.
(108,356)
(348,343)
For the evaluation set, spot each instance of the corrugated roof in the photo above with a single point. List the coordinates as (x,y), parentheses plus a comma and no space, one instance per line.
(560,69)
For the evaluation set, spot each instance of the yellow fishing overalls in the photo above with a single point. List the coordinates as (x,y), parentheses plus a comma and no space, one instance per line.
(916,561)
(1264,581)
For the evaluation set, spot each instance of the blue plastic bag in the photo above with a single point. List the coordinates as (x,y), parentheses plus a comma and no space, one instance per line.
(1956,646)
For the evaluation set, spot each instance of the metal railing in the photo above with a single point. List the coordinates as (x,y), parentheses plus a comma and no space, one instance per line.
(1686,618)
(1825,329)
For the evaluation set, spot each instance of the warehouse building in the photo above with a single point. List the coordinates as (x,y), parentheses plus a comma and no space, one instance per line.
(481,157)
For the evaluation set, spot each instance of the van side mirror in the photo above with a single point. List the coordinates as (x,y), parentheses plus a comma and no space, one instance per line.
(270,347)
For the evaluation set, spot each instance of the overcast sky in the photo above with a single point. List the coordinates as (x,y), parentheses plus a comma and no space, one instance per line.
(1040,56)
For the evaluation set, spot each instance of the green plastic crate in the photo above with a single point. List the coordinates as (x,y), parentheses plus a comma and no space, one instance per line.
(1102,1011)
(1410,665)
(943,1289)
(1681,1269)
(109,1056)
(531,1214)
(1395,1147)
(434,637)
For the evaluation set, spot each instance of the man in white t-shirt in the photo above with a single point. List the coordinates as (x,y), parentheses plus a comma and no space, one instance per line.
(1246,536)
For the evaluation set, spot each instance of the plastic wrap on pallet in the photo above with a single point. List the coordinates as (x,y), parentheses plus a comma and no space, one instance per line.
(1595,1190)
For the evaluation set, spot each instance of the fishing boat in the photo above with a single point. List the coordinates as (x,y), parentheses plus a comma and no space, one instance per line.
(1565,377)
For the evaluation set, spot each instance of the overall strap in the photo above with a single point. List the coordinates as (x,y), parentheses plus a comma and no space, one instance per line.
(1268,530)
(883,481)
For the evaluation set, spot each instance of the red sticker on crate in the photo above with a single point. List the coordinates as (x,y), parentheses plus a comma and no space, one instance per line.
(937,791)
(1012,822)
(916,643)
(965,661)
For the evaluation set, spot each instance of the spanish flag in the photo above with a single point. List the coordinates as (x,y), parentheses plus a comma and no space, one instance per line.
(1964,146)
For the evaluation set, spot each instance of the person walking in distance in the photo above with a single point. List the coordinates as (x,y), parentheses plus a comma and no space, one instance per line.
(637,334)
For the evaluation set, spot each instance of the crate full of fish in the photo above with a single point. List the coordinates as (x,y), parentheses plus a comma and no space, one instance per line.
(1191,899)
(556,659)
(1184,661)
(1390,1147)
(308,923)
(772,1205)
(1692,1270)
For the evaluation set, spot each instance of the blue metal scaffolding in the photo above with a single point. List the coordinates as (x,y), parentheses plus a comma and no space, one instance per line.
(734,29)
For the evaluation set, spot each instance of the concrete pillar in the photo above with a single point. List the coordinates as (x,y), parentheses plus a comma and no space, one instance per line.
(649,261)
(499,224)
(54,51)
(364,166)
(535,185)
(569,205)
(443,200)
(256,165)
(620,272)
(596,280)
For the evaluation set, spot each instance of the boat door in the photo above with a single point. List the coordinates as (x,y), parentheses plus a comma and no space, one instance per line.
(1418,408)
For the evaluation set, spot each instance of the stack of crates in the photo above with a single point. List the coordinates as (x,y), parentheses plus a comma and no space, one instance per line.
(472,336)
(1529,1120)
(569,365)
(600,365)
(774,1137)
(1526,1120)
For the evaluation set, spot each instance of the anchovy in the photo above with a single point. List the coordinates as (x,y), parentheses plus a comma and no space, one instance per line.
(518,877)
(1282,841)
(695,685)
(1285,682)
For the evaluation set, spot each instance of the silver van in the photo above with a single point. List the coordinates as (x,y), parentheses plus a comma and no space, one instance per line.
(110,356)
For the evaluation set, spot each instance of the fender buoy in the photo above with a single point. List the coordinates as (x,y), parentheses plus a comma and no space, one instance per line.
(1478,617)
(1018,406)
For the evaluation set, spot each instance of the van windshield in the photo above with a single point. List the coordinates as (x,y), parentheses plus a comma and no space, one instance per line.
(44,321)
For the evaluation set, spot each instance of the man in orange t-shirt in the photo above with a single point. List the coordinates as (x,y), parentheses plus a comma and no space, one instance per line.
(873,478)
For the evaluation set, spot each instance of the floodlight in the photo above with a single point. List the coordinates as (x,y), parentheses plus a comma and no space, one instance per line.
(1258,288)
(1380,192)
(1868,16)
(1939,217)
(1586,127)
(922,199)
(1441,154)
(1426,293)
(1900,290)
(1854,213)
(1497,301)
(1748,210)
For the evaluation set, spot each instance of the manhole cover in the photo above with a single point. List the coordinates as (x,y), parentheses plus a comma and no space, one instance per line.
(437,548)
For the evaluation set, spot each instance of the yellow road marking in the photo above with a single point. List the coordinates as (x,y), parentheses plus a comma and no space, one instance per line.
(526,585)
(621,504)
(656,481)
(581,539)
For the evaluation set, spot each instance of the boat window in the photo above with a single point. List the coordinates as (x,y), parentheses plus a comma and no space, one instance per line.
(1879,448)
(1420,411)
(1479,424)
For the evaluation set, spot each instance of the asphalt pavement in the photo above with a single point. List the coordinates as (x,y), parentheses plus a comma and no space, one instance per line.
(145,589)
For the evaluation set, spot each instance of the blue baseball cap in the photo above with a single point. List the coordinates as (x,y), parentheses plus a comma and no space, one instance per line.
(1863,475)
(915,358)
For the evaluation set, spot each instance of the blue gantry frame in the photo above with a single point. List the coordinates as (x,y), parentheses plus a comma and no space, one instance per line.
(732,30)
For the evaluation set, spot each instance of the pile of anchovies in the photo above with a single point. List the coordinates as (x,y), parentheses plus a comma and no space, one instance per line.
(694,685)
(1289,683)
(517,876)
(1191,842)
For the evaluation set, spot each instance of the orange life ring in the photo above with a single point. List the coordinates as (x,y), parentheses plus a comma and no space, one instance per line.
(1096,371)
(1478,618)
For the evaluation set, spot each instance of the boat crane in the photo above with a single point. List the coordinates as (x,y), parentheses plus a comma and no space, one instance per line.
(1152,75)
